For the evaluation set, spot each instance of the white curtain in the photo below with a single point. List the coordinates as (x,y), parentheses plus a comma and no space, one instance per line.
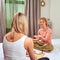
(32,10)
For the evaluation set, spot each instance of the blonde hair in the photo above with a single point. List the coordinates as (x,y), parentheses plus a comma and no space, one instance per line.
(20,23)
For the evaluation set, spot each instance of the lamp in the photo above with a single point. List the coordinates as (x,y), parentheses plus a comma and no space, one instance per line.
(42,3)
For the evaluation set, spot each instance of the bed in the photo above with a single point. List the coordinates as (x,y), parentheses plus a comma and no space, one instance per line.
(53,55)
(1,52)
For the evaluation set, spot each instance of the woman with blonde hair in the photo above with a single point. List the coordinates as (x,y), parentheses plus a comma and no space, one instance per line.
(43,38)
(16,42)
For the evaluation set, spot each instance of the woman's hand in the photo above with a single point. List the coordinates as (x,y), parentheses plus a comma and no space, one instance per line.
(39,36)
(36,37)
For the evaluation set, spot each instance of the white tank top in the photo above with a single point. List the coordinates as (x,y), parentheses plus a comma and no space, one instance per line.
(14,50)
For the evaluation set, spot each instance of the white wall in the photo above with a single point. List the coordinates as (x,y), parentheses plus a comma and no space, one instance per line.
(52,11)
(45,11)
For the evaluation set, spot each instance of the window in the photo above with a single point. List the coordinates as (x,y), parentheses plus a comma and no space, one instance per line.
(11,7)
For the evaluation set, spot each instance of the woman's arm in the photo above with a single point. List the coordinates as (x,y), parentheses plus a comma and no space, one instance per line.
(30,49)
(47,36)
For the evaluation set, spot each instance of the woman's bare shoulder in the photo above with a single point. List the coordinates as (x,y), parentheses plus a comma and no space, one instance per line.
(29,40)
